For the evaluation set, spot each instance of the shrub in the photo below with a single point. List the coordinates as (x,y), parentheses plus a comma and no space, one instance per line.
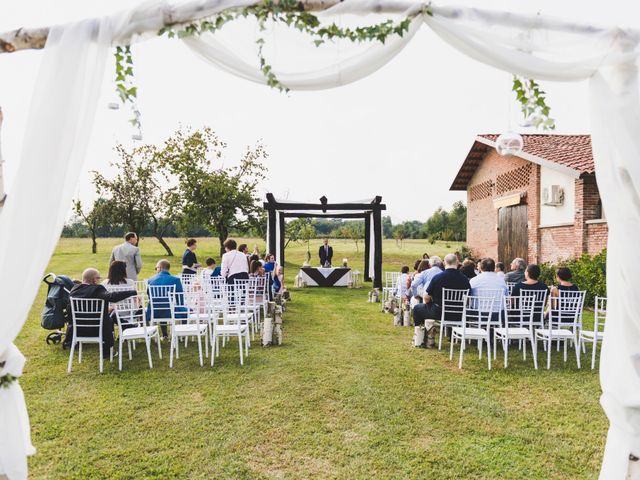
(466,252)
(589,273)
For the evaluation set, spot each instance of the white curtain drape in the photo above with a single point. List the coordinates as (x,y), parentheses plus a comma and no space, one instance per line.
(66,94)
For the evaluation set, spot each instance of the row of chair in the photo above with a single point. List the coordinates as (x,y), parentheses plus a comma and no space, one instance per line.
(207,310)
(530,317)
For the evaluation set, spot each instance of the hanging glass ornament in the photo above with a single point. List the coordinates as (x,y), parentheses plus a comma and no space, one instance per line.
(509,143)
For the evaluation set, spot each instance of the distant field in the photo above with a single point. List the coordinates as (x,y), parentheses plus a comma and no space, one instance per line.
(346,397)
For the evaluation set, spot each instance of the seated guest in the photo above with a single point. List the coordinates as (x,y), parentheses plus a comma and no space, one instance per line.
(516,274)
(90,288)
(117,276)
(211,266)
(418,282)
(563,277)
(256,269)
(234,263)
(531,275)
(468,268)
(269,263)
(431,310)
(164,277)
(488,279)
(244,248)
(189,261)
(425,256)
(435,268)
(278,280)
(401,284)
(254,258)
(500,269)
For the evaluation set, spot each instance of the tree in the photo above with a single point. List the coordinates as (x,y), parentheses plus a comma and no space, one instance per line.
(141,193)
(94,218)
(399,234)
(353,231)
(387,227)
(222,199)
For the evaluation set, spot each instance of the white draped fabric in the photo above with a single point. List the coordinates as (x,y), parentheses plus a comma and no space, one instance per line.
(66,94)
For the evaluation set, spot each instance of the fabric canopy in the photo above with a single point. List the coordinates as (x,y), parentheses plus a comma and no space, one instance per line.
(65,100)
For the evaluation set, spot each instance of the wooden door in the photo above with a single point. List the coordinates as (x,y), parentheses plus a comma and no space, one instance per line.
(512,233)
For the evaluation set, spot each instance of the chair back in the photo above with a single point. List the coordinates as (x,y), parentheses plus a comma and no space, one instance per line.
(119,288)
(477,311)
(391,279)
(162,302)
(129,312)
(234,303)
(189,280)
(532,303)
(510,286)
(87,313)
(566,309)
(496,293)
(452,306)
(600,315)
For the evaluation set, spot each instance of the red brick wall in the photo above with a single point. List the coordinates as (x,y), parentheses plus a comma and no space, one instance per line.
(546,244)
(597,234)
(482,217)
(556,243)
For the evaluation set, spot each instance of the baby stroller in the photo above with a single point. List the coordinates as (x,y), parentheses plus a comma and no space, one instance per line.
(57,309)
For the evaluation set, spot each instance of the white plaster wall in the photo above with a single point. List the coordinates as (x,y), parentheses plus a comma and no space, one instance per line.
(564,213)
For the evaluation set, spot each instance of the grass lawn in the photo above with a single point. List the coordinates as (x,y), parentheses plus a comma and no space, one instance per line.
(346,396)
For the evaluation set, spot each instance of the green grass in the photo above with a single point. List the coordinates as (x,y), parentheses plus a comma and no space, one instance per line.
(346,396)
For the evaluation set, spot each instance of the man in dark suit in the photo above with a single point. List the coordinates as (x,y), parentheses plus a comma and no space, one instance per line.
(325,253)
(91,288)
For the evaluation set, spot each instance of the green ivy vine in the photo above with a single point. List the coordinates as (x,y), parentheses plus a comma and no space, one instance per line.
(293,14)
(533,103)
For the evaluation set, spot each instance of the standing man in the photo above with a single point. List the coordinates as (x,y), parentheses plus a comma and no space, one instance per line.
(189,260)
(325,253)
(129,253)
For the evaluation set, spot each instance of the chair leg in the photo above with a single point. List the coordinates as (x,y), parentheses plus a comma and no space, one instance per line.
(101,359)
(461,353)
(565,350)
(158,342)
(505,347)
(73,347)
(451,349)
(206,343)
(111,355)
(173,339)
(593,353)
(79,352)
(549,346)
(200,350)
(213,349)
(240,345)
(489,351)
(129,349)
(120,345)
(480,349)
(440,339)
(534,351)
(147,341)
(577,348)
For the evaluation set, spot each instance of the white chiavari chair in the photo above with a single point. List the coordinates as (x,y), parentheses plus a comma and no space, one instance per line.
(87,317)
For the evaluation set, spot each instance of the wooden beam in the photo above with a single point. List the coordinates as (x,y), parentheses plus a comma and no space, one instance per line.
(176,15)
(325,215)
(292,207)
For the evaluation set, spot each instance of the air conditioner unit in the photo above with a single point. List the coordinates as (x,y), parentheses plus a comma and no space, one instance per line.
(553,195)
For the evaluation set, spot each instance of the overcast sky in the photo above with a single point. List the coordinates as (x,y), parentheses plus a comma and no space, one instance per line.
(401,133)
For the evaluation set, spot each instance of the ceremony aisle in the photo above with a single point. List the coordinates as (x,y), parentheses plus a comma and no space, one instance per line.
(346,396)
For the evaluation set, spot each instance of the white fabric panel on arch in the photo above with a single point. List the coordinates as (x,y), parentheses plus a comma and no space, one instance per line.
(372,247)
(279,234)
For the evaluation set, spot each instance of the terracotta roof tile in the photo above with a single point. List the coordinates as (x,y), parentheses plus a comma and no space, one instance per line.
(573,151)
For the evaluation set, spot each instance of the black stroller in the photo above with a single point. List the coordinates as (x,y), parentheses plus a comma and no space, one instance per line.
(57,308)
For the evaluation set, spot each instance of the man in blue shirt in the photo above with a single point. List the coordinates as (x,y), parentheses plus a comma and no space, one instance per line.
(431,310)
(162,278)
(421,281)
(489,283)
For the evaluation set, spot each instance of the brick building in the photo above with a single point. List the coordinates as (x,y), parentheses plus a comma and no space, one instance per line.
(542,205)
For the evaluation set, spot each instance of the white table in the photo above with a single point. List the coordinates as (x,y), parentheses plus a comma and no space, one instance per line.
(326,277)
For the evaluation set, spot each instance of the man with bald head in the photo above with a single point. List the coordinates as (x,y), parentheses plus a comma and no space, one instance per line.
(92,289)
(164,278)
